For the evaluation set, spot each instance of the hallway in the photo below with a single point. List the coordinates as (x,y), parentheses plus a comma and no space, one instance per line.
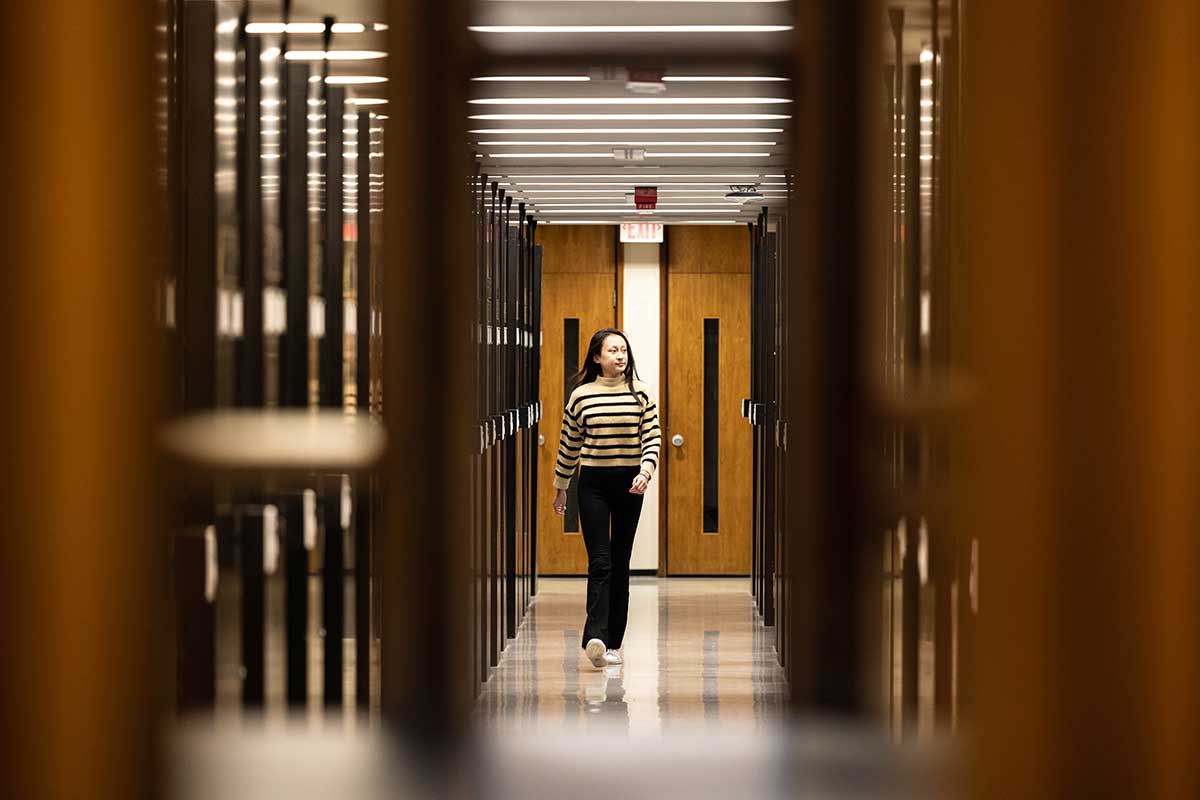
(696,658)
(322,315)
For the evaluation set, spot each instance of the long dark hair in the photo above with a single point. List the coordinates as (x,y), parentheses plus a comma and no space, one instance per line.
(591,370)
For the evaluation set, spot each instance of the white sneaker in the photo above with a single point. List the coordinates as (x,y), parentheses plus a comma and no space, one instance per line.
(595,652)
(613,657)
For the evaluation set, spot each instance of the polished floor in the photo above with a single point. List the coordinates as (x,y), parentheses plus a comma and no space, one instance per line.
(696,710)
(696,658)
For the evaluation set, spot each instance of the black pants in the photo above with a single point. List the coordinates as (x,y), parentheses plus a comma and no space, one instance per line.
(604,498)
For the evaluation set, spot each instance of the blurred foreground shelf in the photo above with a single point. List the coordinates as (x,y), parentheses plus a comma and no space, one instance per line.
(274,441)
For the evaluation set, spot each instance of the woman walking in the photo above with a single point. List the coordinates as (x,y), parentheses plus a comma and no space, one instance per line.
(610,430)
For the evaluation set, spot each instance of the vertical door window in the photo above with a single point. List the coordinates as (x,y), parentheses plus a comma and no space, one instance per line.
(712,342)
(570,367)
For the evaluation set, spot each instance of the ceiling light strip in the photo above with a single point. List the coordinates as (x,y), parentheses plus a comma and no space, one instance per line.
(641,175)
(352,80)
(334,55)
(617,185)
(534,78)
(621,142)
(541,29)
(629,211)
(727,204)
(610,155)
(628,101)
(589,131)
(723,79)
(625,117)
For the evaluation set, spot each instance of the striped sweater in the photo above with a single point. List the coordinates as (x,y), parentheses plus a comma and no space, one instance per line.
(606,426)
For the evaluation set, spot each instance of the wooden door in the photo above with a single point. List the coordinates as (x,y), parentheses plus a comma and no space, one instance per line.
(578,289)
(709,475)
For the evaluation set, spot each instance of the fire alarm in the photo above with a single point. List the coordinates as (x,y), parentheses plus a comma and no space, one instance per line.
(645,197)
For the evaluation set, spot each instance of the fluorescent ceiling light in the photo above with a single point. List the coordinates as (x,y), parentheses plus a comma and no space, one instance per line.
(350,80)
(600,193)
(535,78)
(304,28)
(689,191)
(609,142)
(628,101)
(630,210)
(721,79)
(270,54)
(526,131)
(618,185)
(629,28)
(368,101)
(610,155)
(379,26)
(543,202)
(628,117)
(641,175)
(291,27)
(334,55)
(628,189)
(730,2)
(726,204)
(574,195)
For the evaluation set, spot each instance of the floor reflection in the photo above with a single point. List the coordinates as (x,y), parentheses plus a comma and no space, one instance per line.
(696,657)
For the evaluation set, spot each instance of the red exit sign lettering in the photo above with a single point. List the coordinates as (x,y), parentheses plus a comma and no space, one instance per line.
(641,232)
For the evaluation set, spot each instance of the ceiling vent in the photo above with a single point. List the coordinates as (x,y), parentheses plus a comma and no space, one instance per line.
(744,194)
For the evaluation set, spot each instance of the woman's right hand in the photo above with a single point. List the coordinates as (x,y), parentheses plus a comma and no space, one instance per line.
(560,502)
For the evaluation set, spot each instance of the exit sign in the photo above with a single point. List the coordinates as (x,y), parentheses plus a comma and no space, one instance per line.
(641,232)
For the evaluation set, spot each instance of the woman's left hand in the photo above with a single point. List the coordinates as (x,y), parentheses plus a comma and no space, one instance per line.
(639,484)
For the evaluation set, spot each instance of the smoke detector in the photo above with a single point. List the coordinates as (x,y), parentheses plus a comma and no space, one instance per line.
(744,194)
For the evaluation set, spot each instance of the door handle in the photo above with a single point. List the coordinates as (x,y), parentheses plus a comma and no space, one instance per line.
(677,440)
